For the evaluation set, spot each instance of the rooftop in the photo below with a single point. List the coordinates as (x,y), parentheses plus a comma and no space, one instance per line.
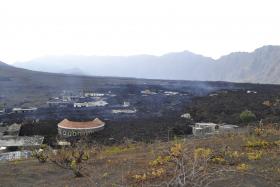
(96,123)
(7,141)
(14,127)
(205,124)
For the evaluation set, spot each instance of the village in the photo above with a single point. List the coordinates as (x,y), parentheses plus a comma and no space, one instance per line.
(127,121)
(14,145)
(143,113)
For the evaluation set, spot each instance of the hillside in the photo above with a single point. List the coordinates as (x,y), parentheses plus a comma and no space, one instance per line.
(249,158)
(259,66)
(20,85)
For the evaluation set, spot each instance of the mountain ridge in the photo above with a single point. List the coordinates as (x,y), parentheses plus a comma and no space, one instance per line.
(259,66)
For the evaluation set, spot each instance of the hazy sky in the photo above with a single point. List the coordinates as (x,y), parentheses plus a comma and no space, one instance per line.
(34,28)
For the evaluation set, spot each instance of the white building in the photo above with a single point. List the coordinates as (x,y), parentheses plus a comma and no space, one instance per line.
(251,92)
(169,93)
(204,128)
(126,104)
(186,115)
(15,155)
(93,94)
(148,92)
(228,128)
(24,110)
(90,104)
(124,111)
(211,128)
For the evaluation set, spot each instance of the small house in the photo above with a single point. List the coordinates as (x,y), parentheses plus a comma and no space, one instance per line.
(24,110)
(13,130)
(204,128)
(211,128)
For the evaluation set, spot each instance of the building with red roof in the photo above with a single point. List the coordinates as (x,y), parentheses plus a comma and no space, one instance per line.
(68,128)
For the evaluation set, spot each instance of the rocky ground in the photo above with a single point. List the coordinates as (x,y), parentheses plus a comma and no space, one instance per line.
(158,116)
(246,159)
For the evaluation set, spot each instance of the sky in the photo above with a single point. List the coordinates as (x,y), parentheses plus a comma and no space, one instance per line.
(34,28)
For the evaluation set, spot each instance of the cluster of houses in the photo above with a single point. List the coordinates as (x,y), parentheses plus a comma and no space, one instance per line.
(93,99)
(13,146)
(148,92)
(85,99)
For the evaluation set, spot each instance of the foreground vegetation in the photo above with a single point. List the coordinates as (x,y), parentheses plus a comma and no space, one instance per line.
(243,159)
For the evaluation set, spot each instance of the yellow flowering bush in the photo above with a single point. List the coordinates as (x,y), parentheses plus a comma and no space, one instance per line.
(257,143)
(242,167)
(160,160)
(202,152)
(140,178)
(176,150)
(218,160)
(255,155)
(158,172)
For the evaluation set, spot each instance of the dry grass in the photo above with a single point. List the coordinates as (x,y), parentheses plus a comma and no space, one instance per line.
(246,159)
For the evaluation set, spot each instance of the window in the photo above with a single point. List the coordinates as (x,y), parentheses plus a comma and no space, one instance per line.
(74,133)
(64,132)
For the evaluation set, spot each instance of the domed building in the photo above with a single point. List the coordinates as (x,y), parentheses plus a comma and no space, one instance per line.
(68,128)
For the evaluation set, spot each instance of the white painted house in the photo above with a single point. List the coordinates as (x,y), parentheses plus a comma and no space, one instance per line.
(93,94)
(201,129)
(91,104)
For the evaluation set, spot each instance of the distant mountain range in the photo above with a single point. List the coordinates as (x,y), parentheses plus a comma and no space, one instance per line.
(259,66)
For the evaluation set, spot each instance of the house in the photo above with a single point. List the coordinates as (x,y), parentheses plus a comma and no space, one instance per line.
(58,103)
(68,128)
(90,104)
(24,110)
(204,128)
(148,92)
(15,155)
(21,141)
(211,128)
(93,94)
(186,116)
(13,130)
(124,111)
(170,93)
(126,104)
(228,128)
(2,111)
(80,105)
(251,92)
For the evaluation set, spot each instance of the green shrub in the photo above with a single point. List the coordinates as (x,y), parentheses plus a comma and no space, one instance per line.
(247,116)
(41,154)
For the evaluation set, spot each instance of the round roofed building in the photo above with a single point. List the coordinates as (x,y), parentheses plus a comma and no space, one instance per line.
(68,128)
